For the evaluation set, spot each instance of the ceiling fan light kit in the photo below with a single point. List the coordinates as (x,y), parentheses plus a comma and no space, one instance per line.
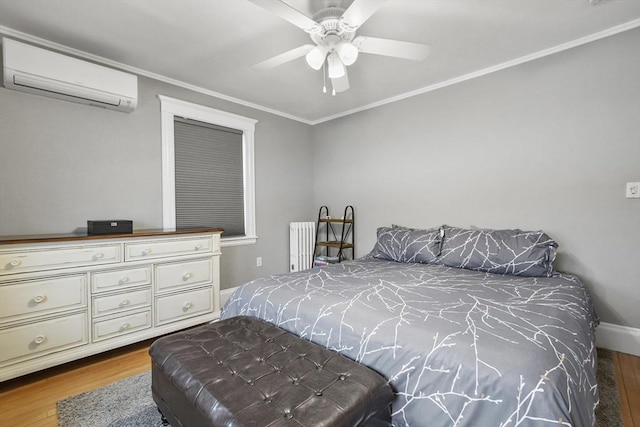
(316,56)
(336,67)
(347,52)
(333,30)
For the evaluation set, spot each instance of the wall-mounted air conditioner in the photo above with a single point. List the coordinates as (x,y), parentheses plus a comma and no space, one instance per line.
(39,71)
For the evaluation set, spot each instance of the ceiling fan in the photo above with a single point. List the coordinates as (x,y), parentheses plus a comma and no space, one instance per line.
(336,46)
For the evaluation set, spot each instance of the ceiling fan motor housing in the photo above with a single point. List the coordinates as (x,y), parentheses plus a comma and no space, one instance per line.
(330,28)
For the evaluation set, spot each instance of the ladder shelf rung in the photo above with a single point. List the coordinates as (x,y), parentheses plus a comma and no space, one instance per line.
(337,220)
(344,245)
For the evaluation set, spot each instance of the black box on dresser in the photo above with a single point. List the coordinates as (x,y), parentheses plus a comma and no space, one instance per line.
(110,226)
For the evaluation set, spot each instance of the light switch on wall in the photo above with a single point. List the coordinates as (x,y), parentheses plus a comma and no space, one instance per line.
(633,190)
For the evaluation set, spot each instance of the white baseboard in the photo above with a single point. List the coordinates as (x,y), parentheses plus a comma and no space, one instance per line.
(225,294)
(619,338)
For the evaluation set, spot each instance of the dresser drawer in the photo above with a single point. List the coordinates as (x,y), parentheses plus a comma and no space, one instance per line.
(123,325)
(181,274)
(171,308)
(122,302)
(168,248)
(58,257)
(44,337)
(120,279)
(36,297)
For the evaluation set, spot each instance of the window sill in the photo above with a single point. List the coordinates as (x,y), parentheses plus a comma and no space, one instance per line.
(238,241)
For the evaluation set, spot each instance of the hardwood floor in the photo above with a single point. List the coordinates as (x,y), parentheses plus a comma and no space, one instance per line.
(628,378)
(31,400)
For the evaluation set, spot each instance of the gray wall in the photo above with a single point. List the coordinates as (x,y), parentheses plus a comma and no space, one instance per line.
(63,163)
(545,145)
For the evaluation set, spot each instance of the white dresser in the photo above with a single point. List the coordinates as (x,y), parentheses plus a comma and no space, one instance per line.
(66,297)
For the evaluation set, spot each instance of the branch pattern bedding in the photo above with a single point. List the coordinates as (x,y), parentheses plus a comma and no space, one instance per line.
(460,347)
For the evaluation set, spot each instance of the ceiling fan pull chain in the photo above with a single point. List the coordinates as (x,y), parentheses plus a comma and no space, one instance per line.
(324,78)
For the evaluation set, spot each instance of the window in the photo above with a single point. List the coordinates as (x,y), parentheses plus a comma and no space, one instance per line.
(208,170)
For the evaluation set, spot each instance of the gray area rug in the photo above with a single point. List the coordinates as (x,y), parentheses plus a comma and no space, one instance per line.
(608,410)
(128,403)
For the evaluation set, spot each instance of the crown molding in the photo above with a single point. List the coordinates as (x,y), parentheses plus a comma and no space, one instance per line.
(508,64)
(512,63)
(5,31)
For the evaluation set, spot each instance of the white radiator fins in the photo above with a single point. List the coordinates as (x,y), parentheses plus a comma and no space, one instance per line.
(302,237)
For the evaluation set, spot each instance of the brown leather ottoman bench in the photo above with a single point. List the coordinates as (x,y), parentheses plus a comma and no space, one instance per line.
(245,372)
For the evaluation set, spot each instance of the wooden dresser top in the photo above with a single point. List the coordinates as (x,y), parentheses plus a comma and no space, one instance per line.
(39,238)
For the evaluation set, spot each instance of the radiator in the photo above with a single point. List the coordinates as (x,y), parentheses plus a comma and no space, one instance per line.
(302,237)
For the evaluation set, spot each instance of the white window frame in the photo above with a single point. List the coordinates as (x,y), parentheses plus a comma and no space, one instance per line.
(171,107)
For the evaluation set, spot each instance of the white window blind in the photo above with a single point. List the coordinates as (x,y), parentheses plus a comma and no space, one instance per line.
(209,186)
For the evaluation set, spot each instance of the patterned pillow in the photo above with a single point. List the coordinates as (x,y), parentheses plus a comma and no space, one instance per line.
(407,245)
(516,252)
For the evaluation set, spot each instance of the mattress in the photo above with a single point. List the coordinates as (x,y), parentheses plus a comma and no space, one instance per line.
(459,347)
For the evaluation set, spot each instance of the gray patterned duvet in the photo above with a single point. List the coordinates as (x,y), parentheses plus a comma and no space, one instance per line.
(460,347)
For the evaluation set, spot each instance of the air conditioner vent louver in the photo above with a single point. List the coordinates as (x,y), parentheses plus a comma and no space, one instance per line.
(34,70)
(61,88)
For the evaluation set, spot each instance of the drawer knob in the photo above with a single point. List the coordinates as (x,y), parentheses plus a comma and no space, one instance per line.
(198,247)
(187,305)
(39,298)
(39,339)
(125,303)
(124,280)
(125,326)
(98,255)
(15,263)
(146,252)
(186,276)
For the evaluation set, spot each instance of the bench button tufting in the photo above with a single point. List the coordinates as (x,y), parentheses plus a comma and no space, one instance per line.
(283,357)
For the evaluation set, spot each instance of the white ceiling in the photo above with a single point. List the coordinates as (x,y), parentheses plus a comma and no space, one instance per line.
(211,44)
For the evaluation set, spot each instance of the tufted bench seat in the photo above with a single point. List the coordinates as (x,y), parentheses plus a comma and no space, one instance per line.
(245,372)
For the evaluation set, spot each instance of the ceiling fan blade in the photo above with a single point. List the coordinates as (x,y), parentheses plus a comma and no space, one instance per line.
(359,12)
(288,13)
(283,57)
(395,48)
(340,84)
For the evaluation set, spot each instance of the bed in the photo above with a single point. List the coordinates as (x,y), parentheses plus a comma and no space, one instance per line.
(470,327)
